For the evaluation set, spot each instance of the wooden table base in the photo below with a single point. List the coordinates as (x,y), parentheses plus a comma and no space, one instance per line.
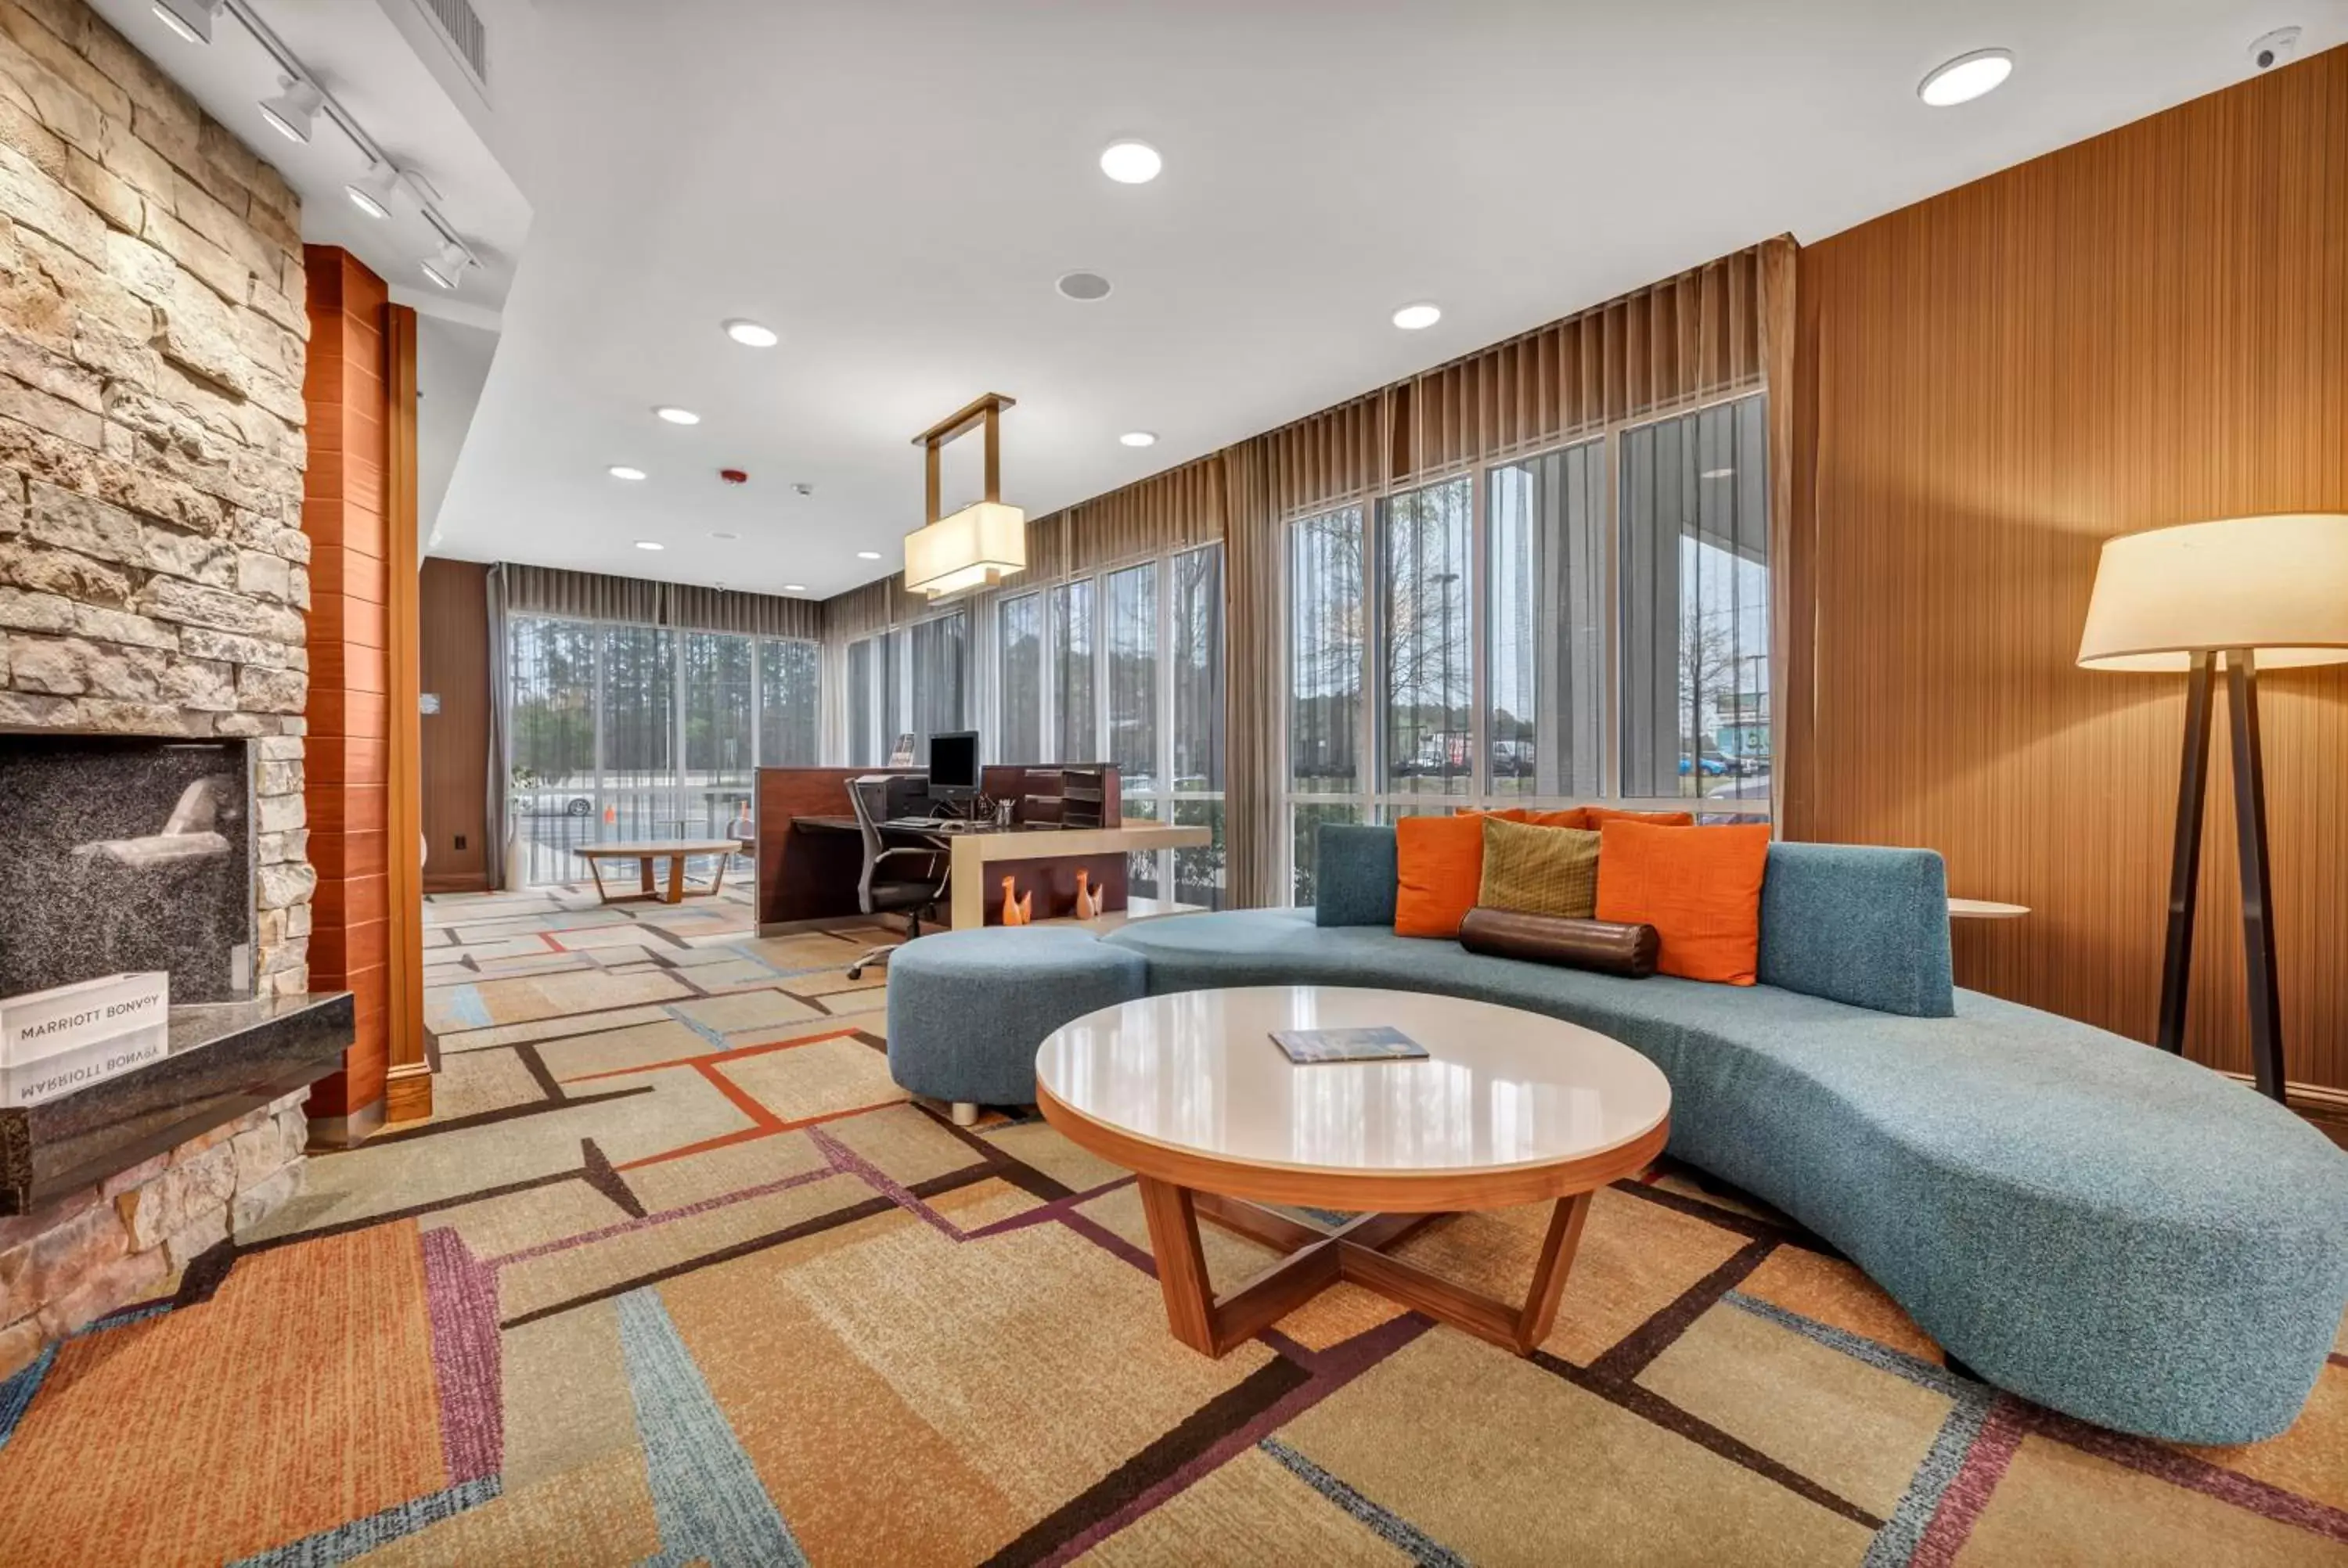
(1319,1257)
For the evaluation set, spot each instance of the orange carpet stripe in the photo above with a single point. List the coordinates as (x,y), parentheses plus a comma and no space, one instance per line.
(734,1054)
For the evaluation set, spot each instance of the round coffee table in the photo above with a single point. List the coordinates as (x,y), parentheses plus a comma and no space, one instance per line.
(1189,1092)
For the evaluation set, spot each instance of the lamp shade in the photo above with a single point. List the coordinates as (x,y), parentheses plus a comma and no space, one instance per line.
(983,543)
(2278,585)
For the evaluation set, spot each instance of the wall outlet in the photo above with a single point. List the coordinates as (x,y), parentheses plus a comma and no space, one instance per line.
(460,841)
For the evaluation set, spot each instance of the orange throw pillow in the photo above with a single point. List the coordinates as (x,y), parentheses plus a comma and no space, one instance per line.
(1606,813)
(1700,890)
(1439,863)
(1506,814)
(1568,816)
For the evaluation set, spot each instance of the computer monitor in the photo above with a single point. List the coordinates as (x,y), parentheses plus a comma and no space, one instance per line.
(953,765)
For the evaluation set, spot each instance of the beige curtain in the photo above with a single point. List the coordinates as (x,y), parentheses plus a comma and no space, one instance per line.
(1255,751)
(595,596)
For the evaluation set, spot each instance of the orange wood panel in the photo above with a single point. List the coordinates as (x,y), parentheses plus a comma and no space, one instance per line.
(2147,328)
(403,840)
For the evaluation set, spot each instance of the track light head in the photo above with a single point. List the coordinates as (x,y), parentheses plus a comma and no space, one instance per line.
(191,19)
(291,112)
(445,270)
(373,192)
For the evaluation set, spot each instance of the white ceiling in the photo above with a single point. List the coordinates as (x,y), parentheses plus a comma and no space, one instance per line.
(894,187)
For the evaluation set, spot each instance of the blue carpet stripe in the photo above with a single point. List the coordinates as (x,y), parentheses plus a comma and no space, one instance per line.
(465,1003)
(705,1493)
(16,1392)
(1393,1528)
(1895,1544)
(361,1536)
(1939,1380)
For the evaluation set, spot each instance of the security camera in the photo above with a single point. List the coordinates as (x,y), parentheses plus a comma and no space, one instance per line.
(2271,50)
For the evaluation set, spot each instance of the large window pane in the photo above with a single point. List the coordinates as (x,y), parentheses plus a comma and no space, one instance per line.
(790,702)
(1428,674)
(1197,624)
(1019,696)
(1133,677)
(940,651)
(1545,681)
(1072,673)
(639,732)
(552,665)
(1695,605)
(1324,653)
(1199,868)
(719,744)
(863,721)
(1305,823)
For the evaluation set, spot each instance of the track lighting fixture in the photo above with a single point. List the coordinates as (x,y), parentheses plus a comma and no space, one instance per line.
(191,19)
(372,193)
(449,267)
(290,111)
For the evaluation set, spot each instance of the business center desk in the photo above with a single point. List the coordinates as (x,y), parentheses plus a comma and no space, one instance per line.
(811,856)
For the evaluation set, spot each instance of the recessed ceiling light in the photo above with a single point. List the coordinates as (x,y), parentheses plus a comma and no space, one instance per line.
(750,334)
(1131,162)
(650,545)
(1413,318)
(868,555)
(794,588)
(622,471)
(292,110)
(1082,286)
(1139,438)
(675,416)
(1965,79)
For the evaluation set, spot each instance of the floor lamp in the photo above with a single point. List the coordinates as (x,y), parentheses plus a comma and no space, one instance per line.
(2255,592)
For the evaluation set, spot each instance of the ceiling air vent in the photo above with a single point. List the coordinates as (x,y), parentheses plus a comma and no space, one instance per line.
(465,32)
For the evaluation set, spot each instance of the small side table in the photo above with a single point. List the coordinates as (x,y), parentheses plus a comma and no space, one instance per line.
(1985,909)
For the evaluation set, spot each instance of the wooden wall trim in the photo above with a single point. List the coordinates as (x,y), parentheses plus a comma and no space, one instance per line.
(453,664)
(409,1075)
(2150,327)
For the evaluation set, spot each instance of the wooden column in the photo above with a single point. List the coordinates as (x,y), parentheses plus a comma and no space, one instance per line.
(347,501)
(407,1080)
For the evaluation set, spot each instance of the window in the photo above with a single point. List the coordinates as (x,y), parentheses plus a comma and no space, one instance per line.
(1019,727)
(1425,637)
(863,696)
(939,662)
(1325,650)
(1133,677)
(1695,605)
(1538,632)
(1546,669)
(1072,673)
(643,732)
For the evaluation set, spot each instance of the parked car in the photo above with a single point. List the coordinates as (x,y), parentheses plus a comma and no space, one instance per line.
(1710,766)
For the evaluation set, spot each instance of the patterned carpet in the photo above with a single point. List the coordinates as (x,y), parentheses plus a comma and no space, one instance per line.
(678,1276)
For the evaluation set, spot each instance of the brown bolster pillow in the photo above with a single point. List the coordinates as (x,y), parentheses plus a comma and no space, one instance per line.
(1606,945)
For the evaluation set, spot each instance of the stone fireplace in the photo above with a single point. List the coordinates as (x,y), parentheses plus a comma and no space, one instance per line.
(154,581)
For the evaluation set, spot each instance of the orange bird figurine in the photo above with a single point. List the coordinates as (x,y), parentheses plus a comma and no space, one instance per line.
(1016,912)
(1088,898)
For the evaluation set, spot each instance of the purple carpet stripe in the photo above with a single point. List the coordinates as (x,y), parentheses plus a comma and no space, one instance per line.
(1100,1236)
(1338,1366)
(2165,1463)
(1895,1545)
(722,1201)
(848,1162)
(468,1363)
(1055,1209)
(1968,1492)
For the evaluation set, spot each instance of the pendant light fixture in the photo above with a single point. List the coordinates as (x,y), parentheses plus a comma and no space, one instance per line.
(984,542)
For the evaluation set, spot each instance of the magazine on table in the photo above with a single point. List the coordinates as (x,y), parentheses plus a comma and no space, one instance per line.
(1381,1042)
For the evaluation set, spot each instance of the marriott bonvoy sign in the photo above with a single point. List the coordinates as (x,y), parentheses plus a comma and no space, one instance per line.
(54,1041)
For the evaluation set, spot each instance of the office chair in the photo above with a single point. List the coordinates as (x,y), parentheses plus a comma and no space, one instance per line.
(917,882)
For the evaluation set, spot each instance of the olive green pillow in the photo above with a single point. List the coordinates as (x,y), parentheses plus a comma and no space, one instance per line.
(1539,870)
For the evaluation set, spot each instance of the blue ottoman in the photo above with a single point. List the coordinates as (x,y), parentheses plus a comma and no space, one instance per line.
(968,1009)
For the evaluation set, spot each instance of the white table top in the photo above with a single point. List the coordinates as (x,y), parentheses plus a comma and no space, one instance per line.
(1501,1088)
(1985,909)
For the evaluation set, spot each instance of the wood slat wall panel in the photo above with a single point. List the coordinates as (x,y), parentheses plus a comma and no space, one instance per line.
(2148,328)
(454,666)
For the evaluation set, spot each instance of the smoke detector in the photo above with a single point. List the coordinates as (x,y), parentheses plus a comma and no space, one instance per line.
(2269,50)
(804,488)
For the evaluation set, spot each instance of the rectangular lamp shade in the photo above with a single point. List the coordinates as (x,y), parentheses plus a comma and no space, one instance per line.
(983,543)
(2277,585)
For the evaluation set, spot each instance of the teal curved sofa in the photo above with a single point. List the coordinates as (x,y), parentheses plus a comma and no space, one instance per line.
(2114,1231)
